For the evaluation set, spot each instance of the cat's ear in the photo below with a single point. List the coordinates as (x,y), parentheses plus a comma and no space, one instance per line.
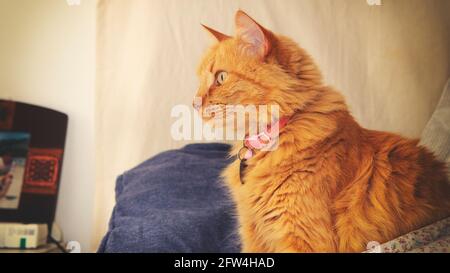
(255,37)
(217,35)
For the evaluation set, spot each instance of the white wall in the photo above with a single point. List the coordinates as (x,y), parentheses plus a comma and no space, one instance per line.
(390,62)
(47,57)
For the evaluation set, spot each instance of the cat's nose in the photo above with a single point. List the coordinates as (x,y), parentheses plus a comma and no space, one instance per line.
(197,103)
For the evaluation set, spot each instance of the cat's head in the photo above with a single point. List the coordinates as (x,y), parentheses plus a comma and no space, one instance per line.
(255,67)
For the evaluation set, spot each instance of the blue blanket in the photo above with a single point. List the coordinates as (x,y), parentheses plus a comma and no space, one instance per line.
(174,202)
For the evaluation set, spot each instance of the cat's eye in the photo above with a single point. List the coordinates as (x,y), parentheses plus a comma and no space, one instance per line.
(221,76)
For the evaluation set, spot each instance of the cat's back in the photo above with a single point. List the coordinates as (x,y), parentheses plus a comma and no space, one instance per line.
(410,174)
(400,187)
(405,155)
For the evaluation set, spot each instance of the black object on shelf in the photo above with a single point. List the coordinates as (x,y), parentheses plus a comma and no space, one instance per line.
(46,129)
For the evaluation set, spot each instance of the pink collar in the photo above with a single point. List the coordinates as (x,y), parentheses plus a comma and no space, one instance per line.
(262,140)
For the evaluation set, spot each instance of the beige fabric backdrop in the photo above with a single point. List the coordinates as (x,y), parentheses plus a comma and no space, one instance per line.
(390,61)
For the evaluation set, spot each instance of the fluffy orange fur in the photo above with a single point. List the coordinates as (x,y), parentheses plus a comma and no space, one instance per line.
(331,186)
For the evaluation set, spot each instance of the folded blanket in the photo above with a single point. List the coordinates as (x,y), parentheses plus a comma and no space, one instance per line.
(174,202)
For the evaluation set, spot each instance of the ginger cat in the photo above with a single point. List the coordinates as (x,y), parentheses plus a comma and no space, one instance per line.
(331,185)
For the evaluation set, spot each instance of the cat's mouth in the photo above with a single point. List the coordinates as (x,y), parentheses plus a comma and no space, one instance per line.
(227,115)
(213,112)
(216,118)
(208,119)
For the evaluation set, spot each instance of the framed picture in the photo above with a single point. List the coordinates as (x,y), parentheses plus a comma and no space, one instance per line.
(32,140)
(13,156)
